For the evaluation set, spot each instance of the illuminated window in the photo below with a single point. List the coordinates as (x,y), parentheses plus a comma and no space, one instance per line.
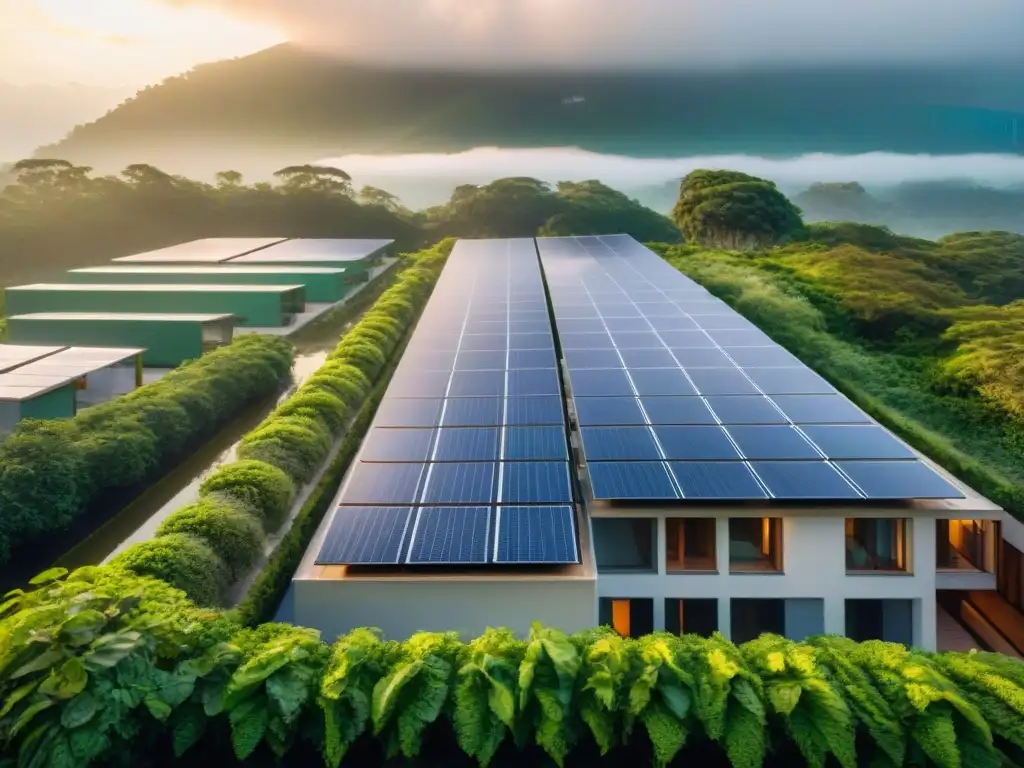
(755,545)
(876,544)
(691,544)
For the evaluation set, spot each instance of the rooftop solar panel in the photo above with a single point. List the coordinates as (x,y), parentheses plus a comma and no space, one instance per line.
(536,482)
(418,384)
(473,412)
(772,442)
(899,480)
(533,382)
(661,381)
(536,535)
(619,444)
(794,480)
(451,535)
(648,358)
(662,324)
(579,359)
(790,381)
(716,480)
(471,444)
(525,411)
(820,409)
(626,324)
(493,360)
(461,483)
(409,413)
(608,411)
(397,445)
(381,484)
(631,480)
(521,359)
(696,443)
(477,384)
(612,382)
(745,410)
(857,442)
(535,444)
(702,358)
(365,536)
(721,381)
(677,410)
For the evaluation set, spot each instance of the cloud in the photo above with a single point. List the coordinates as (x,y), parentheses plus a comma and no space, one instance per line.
(644,33)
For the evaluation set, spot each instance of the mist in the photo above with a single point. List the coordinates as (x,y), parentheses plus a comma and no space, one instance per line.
(611,34)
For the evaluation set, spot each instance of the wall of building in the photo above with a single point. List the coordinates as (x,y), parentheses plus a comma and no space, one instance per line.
(814,566)
(10,415)
(468,606)
(108,383)
(58,404)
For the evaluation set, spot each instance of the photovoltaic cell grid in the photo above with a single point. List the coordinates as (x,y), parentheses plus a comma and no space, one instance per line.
(677,396)
(467,461)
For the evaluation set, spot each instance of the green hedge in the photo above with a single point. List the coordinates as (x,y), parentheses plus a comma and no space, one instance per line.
(130,440)
(285,452)
(106,668)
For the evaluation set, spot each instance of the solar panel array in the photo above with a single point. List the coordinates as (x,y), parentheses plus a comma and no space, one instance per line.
(677,396)
(467,461)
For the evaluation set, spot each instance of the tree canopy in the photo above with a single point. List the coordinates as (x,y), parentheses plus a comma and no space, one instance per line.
(729,209)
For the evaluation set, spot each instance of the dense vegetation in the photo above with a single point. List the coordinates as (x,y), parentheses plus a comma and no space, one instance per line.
(211,545)
(321,106)
(66,216)
(54,472)
(106,668)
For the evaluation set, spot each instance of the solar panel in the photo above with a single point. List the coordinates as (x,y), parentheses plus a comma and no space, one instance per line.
(536,535)
(614,324)
(790,381)
(820,409)
(484,342)
(619,444)
(702,358)
(672,323)
(612,382)
(687,339)
(531,341)
(397,445)
(579,359)
(608,411)
(695,443)
(365,536)
(729,339)
(451,535)
(760,357)
(524,411)
(721,381)
(379,484)
(542,381)
(630,480)
(648,358)
(461,483)
(745,410)
(479,444)
(477,384)
(535,444)
(677,410)
(637,340)
(473,412)
(535,482)
(661,381)
(418,384)
(493,360)
(803,480)
(857,442)
(899,480)
(531,358)
(716,481)
(772,442)
(408,413)
(586,341)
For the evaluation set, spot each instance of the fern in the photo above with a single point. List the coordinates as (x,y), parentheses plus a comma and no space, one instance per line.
(486,695)
(547,678)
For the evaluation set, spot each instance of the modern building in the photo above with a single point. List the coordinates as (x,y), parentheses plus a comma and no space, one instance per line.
(324,285)
(210,250)
(168,340)
(252,305)
(714,481)
(357,257)
(56,385)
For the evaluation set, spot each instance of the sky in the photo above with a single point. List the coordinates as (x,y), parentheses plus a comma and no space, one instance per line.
(120,42)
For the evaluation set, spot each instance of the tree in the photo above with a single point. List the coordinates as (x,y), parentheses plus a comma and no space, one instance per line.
(729,209)
(231,180)
(145,175)
(840,201)
(315,178)
(375,196)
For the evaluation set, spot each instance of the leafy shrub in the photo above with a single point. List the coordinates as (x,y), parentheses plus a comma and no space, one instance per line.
(265,490)
(324,407)
(222,523)
(183,562)
(295,444)
(102,666)
(130,440)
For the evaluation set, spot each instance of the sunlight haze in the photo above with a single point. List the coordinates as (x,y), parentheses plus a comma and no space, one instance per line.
(117,42)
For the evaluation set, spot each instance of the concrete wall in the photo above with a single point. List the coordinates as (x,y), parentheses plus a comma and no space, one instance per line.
(10,415)
(58,404)
(814,566)
(402,607)
(106,384)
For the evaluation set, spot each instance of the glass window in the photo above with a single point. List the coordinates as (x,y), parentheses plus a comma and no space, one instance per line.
(755,545)
(752,617)
(691,544)
(623,543)
(876,544)
(960,544)
(630,617)
(692,616)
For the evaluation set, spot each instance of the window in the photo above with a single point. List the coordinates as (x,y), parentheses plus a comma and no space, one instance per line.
(630,617)
(691,544)
(752,617)
(888,620)
(755,545)
(878,544)
(692,616)
(960,544)
(623,544)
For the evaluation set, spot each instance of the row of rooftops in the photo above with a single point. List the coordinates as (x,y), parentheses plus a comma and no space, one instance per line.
(27,372)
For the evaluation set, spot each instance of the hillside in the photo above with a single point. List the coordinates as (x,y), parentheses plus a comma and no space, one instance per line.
(286,100)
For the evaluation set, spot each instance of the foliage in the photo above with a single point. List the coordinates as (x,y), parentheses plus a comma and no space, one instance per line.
(729,209)
(99,666)
(183,561)
(223,524)
(130,440)
(990,353)
(262,488)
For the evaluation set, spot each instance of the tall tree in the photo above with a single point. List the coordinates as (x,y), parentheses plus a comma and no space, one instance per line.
(315,178)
